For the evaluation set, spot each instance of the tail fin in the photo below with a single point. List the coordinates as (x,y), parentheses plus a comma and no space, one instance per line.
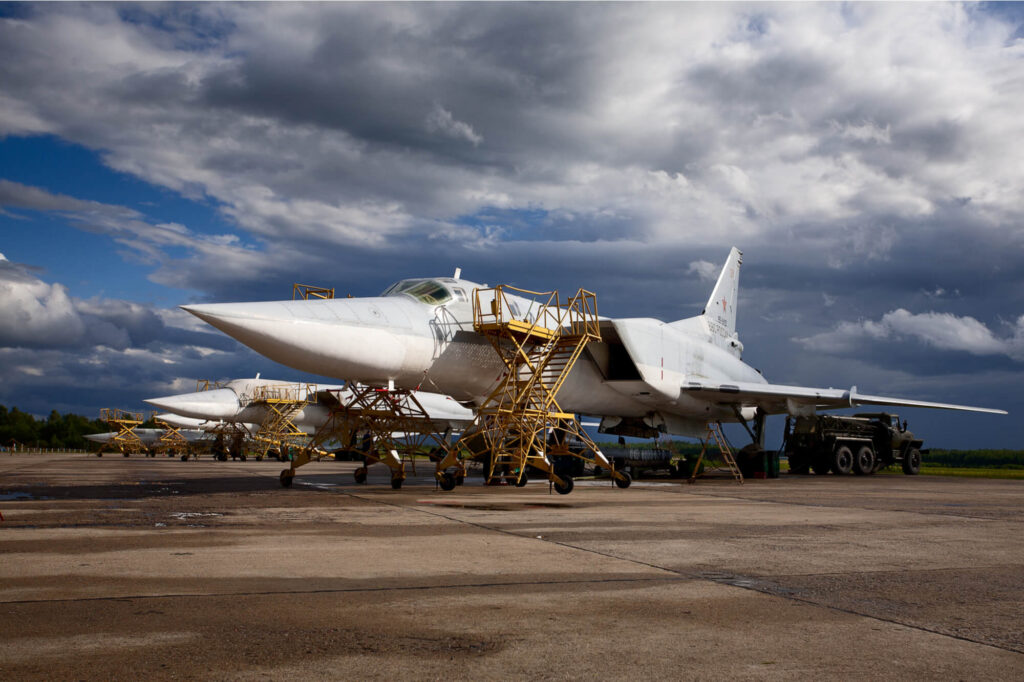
(720,311)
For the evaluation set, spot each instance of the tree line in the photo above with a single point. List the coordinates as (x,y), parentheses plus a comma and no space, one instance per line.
(56,431)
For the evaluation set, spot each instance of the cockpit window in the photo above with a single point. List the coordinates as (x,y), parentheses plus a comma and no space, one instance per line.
(427,291)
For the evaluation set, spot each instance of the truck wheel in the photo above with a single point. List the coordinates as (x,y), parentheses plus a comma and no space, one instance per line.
(912,462)
(842,460)
(864,461)
(799,463)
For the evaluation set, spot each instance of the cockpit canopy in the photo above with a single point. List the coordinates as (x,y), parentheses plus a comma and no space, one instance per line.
(429,291)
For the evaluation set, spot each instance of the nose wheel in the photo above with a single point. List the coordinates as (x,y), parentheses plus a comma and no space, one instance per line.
(564,486)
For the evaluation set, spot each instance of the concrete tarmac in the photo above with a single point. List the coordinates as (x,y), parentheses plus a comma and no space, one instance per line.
(119,568)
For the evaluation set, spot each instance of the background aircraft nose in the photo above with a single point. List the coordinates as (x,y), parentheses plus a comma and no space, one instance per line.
(221,403)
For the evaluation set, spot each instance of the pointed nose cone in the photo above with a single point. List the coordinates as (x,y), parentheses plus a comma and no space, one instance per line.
(371,339)
(99,437)
(218,404)
(179,421)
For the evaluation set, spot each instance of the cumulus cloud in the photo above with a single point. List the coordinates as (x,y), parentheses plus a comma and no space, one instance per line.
(440,120)
(705,271)
(37,314)
(34,312)
(943,331)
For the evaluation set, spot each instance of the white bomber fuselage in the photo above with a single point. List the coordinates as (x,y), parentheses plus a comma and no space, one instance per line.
(236,402)
(635,372)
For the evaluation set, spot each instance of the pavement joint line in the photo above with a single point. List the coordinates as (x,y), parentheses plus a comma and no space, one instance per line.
(349,590)
(733,581)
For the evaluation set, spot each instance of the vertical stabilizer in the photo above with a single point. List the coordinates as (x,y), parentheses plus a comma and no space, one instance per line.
(720,311)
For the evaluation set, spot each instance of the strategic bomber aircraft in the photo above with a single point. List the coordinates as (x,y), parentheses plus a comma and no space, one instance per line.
(643,378)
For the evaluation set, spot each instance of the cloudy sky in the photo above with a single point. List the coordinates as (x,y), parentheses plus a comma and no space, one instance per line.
(866,158)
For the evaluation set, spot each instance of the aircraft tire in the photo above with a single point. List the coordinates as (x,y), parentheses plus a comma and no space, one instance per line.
(396,483)
(125,454)
(565,487)
(447,481)
(241,457)
(842,460)
(623,482)
(864,461)
(184,458)
(360,475)
(286,478)
(912,462)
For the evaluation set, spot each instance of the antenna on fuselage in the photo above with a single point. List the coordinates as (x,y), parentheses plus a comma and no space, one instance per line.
(458,273)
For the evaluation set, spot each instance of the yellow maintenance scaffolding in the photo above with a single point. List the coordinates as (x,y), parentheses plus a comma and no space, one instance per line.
(520,424)
(125,440)
(278,430)
(171,441)
(308,291)
(383,425)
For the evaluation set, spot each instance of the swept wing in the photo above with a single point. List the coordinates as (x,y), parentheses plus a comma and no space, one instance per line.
(797,400)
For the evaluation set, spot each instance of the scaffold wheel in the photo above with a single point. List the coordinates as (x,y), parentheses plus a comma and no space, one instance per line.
(624,481)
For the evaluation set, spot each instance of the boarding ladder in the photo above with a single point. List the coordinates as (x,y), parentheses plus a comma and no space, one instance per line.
(538,349)
(278,430)
(714,433)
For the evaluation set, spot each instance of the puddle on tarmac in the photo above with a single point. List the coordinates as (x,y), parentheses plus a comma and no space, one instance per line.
(5,497)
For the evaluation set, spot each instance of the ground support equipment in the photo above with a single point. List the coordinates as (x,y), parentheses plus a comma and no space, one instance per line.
(170,442)
(728,462)
(520,424)
(278,430)
(228,439)
(382,424)
(126,441)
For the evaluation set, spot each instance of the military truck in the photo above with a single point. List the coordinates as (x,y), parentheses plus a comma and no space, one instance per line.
(862,444)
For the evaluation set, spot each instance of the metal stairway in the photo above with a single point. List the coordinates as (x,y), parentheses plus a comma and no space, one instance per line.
(714,433)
